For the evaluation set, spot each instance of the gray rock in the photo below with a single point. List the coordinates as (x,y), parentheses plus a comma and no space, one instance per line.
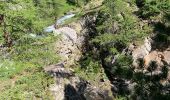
(58,70)
(92,93)
(67,32)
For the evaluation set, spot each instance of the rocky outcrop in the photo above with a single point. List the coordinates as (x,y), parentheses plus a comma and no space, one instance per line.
(72,40)
(68,86)
(148,54)
(156,62)
(68,47)
(67,33)
(141,52)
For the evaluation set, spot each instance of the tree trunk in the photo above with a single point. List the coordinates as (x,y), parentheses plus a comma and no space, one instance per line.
(1,19)
(6,35)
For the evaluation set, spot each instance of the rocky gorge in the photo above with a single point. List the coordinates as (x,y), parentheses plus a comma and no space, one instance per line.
(148,64)
(85,49)
(69,86)
(71,46)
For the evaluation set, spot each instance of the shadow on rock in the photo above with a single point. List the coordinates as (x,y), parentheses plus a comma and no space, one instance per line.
(72,94)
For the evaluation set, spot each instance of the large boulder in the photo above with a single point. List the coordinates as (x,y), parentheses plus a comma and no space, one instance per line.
(141,52)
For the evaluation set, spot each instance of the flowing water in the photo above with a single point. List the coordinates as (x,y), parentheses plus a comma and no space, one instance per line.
(58,22)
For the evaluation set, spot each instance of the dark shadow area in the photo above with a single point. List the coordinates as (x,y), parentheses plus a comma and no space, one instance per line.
(77,3)
(72,2)
(167,16)
(118,79)
(73,94)
(140,3)
(147,9)
(161,40)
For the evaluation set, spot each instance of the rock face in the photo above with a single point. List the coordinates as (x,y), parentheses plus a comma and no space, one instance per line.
(141,52)
(69,45)
(68,86)
(148,55)
(93,93)
(58,70)
(156,62)
(67,33)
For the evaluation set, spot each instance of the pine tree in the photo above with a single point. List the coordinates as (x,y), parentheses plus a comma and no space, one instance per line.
(19,18)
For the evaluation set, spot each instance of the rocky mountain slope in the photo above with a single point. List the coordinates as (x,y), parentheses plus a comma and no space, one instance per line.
(69,86)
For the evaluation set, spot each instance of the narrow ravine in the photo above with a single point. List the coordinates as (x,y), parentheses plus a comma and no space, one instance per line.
(70,48)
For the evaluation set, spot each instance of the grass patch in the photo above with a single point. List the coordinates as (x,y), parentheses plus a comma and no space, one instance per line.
(22,75)
(31,86)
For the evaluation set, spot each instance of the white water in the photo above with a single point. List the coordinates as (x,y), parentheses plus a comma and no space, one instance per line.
(58,22)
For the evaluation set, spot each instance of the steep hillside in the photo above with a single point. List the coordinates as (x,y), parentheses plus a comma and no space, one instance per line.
(85,49)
